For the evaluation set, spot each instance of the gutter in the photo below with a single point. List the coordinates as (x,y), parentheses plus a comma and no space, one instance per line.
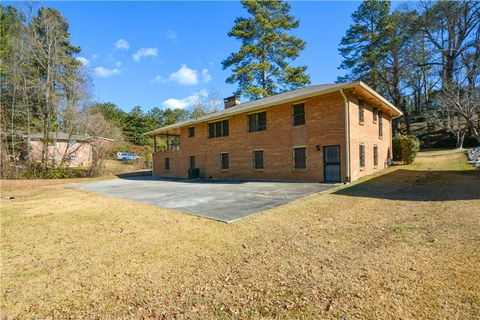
(347,138)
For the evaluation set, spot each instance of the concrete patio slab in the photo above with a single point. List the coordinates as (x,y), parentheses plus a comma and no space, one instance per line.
(222,200)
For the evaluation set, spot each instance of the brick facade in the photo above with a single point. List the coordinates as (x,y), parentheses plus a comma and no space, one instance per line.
(324,126)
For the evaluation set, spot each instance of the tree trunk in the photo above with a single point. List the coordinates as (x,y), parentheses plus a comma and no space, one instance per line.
(460,139)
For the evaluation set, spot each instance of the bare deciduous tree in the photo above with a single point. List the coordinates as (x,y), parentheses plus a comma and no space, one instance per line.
(461,108)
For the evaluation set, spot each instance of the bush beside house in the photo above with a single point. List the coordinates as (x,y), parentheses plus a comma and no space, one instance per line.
(405,148)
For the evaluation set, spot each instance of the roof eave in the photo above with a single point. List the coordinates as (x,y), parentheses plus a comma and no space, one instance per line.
(381,98)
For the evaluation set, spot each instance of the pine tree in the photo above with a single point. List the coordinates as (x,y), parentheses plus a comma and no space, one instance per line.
(262,66)
(365,44)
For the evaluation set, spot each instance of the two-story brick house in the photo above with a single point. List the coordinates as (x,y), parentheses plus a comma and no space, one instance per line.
(327,133)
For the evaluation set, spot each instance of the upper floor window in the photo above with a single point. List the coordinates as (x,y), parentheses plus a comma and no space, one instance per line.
(191,132)
(380,124)
(218,129)
(298,114)
(375,115)
(299,158)
(257,122)
(361,111)
(72,143)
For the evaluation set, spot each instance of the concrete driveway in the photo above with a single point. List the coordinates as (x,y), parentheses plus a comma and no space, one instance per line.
(225,200)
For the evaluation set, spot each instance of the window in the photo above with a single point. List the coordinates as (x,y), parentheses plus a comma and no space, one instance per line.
(361,111)
(298,114)
(362,156)
(167,163)
(375,156)
(72,143)
(257,122)
(258,160)
(380,124)
(191,132)
(224,160)
(299,158)
(375,115)
(192,162)
(218,129)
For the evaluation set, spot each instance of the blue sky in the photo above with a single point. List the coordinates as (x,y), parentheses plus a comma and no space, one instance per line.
(163,54)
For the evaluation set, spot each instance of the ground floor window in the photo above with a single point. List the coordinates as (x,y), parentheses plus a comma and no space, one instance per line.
(300,158)
(224,160)
(192,162)
(167,164)
(375,156)
(258,159)
(362,155)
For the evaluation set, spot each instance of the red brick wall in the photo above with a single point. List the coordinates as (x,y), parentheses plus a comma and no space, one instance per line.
(367,133)
(325,125)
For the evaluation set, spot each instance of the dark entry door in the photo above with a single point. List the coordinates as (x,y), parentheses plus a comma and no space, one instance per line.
(331,163)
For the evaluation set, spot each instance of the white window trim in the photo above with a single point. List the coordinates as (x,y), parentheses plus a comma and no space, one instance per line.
(253,160)
(293,158)
(364,156)
(190,161)
(188,132)
(304,114)
(169,163)
(224,152)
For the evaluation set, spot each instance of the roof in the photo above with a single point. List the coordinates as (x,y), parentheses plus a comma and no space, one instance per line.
(64,136)
(277,99)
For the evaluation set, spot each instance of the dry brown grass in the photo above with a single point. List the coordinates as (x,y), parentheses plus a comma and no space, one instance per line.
(404,244)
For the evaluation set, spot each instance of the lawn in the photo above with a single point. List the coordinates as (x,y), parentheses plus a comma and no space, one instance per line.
(403,244)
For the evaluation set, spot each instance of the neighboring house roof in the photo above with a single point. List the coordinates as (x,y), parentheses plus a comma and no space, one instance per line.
(290,96)
(64,136)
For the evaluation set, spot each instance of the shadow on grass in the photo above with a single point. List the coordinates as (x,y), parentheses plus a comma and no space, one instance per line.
(413,185)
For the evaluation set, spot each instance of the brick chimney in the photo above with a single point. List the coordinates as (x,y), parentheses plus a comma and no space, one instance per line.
(231,101)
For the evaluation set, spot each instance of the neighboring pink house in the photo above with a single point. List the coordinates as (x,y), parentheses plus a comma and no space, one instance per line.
(74,150)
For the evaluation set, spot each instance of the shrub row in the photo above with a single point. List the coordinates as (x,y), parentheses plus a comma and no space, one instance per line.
(56,173)
(405,148)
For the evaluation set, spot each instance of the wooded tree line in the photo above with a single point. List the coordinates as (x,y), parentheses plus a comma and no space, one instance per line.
(424,57)
(43,87)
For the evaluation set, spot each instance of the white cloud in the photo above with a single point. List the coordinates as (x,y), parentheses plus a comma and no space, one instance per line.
(188,76)
(105,72)
(206,77)
(159,79)
(171,35)
(118,64)
(185,102)
(122,44)
(145,52)
(84,61)
(185,75)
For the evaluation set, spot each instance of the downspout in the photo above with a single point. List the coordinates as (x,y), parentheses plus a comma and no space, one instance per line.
(347,138)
